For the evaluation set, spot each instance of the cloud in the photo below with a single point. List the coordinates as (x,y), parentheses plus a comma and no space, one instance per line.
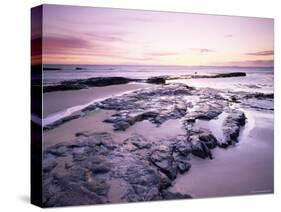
(160,54)
(203,50)
(228,36)
(65,42)
(113,37)
(79,47)
(251,63)
(261,53)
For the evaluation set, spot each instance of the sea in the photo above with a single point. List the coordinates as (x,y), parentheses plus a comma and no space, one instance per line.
(258,79)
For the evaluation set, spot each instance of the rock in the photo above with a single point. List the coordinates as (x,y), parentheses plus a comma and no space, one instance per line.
(259,96)
(163,159)
(80,68)
(62,87)
(73,195)
(51,69)
(76,174)
(62,121)
(100,169)
(199,148)
(183,166)
(121,125)
(221,75)
(78,84)
(90,108)
(165,181)
(231,127)
(195,75)
(181,146)
(48,165)
(156,80)
(209,139)
(58,150)
(146,168)
(167,195)
(144,183)
(99,187)
(123,122)
(138,141)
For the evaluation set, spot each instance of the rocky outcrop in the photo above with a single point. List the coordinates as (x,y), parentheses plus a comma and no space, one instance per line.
(224,75)
(231,127)
(51,68)
(202,142)
(156,80)
(88,169)
(86,83)
(93,165)
(78,84)
(190,76)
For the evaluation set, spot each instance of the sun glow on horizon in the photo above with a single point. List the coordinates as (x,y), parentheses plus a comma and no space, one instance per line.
(85,35)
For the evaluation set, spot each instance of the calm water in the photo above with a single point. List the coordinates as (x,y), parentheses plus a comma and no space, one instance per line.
(258,79)
(246,168)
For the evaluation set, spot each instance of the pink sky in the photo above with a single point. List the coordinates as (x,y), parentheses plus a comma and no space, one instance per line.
(87,35)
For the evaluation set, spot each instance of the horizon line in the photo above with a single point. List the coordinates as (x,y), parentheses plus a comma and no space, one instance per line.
(216,66)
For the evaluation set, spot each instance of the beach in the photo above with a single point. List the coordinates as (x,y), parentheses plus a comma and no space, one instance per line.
(142,141)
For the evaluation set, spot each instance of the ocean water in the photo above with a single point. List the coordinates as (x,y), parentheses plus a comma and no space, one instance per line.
(258,79)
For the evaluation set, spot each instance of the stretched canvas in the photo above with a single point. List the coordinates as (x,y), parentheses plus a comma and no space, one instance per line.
(135,105)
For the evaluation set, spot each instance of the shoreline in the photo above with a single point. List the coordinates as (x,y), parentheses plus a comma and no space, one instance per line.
(78,84)
(53,103)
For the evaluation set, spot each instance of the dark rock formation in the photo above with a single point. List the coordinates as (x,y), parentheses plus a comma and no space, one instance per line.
(231,127)
(85,83)
(259,96)
(62,121)
(156,80)
(80,68)
(167,195)
(51,69)
(93,163)
(163,160)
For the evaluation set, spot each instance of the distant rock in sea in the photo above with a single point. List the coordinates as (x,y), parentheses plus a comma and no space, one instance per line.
(85,83)
(51,68)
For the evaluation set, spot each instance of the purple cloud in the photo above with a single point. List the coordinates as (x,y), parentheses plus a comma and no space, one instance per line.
(163,54)
(203,50)
(228,36)
(65,42)
(251,63)
(113,37)
(261,53)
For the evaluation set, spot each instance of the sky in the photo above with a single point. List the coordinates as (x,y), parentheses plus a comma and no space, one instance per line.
(87,35)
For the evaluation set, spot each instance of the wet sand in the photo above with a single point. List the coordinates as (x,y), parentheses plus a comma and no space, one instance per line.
(60,100)
(246,168)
